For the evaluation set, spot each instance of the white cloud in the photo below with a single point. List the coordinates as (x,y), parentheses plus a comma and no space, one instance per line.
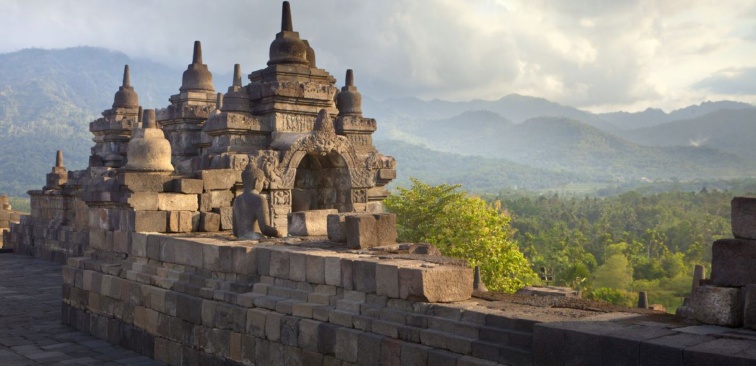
(596,54)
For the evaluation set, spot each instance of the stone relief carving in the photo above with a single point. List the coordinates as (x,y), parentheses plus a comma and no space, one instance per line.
(324,141)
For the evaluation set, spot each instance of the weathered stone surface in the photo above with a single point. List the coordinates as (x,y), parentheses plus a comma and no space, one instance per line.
(209,221)
(732,262)
(215,199)
(186,185)
(310,223)
(718,306)
(145,182)
(336,227)
(180,221)
(749,306)
(435,283)
(150,221)
(219,179)
(177,202)
(743,214)
(148,150)
(143,201)
(361,231)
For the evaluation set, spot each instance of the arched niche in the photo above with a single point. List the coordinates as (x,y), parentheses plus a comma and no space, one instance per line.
(322,182)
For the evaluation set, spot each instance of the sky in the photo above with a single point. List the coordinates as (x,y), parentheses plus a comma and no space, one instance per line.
(597,55)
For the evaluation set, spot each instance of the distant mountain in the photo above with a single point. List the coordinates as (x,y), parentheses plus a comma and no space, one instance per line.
(48,98)
(475,173)
(730,130)
(653,116)
(566,145)
(514,107)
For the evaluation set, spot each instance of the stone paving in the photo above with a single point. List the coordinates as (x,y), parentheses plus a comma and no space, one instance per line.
(31,332)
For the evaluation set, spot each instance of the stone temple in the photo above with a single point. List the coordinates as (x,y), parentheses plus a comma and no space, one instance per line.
(246,228)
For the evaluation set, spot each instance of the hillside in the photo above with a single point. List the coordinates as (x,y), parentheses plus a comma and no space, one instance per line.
(727,130)
(48,98)
(566,145)
(654,116)
(476,174)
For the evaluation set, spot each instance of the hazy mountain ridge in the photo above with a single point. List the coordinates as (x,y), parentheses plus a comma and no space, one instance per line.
(654,116)
(48,98)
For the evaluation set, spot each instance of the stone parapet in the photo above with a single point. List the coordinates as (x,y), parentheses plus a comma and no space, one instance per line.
(184,300)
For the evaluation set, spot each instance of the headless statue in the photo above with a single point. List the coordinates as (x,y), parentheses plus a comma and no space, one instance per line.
(251,217)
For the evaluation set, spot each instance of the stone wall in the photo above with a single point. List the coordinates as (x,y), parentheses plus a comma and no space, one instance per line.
(208,301)
(7,216)
(55,230)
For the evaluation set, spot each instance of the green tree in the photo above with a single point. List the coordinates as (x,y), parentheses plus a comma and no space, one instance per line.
(615,273)
(464,227)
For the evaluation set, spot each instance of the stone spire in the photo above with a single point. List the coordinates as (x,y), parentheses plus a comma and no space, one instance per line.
(59,174)
(237,83)
(59,159)
(287,48)
(219,102)
(148,150)
(349,100)
(126,97)
(197,77)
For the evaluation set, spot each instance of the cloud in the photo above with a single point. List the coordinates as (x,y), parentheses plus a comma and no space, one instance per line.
(594,54)
(733,81)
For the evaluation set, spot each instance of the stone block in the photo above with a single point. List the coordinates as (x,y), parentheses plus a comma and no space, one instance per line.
(308,334)
(180,221)
(435,283)
(150,221)
(346,346)
(718,306)
(743,215)
(297,267)
(226,217)
(333,270)
(363,275)
(186,185)
(309,223)
(218,179)
(215,199)
(177,202)
(387,279)
(336,228)
(732,262)
(749,306)
(209,222)
(361,231)
(315,268)
(143,201)
(279,264)
(145,182)
(385,227)
(666,351)
(369,348)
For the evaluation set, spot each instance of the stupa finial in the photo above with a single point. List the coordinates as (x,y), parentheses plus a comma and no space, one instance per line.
(126,76)
(237,75)
(286,23)
(59,159)
(349,77)
(197,55)
(148,121)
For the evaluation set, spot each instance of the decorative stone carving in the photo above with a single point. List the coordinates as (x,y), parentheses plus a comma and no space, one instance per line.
(251,217)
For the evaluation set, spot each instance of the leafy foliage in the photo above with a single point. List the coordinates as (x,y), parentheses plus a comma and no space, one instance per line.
(631,242)
(464,227)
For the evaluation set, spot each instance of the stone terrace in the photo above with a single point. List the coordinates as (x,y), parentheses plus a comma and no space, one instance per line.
(31,332)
